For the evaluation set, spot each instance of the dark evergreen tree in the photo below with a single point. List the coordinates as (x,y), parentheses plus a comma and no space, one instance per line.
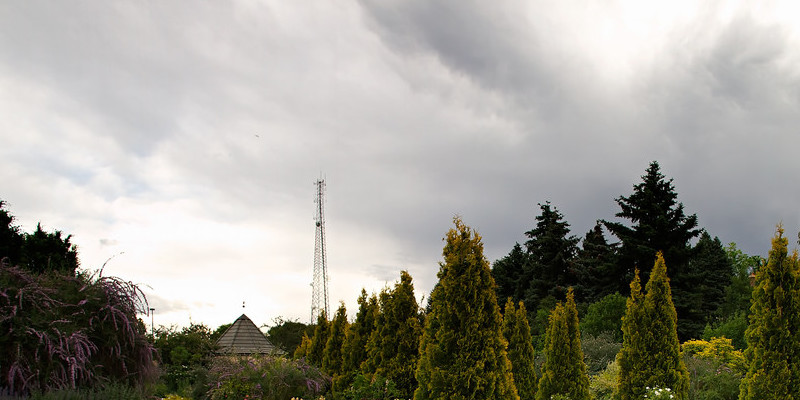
(332,355)
(316,349)
(658,223)
(595,266)
(564,371)
(773,335)
(10,238)
(507,272)
(517,332)
(463,352)
(393,347)
(552,252)
(44,251)
(710,271)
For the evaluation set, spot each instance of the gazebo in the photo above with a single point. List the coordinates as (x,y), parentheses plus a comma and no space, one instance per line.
(244,338)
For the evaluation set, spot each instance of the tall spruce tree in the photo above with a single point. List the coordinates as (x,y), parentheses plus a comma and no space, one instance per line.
(463,352)
(517,332)
(658,223)
(332,355)
(595,266)
(507,272)
(651,353)
(393,347)
(550,270)
(316,349)
(773,335)
(710,270)
(564,371)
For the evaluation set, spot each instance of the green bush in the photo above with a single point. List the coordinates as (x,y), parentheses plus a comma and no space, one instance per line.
(603,386)
(605,315)
(599,351)
(711,380)
(110,391)
(264,377)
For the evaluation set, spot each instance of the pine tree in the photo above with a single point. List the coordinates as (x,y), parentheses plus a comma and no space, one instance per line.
(316,349)
(564,371)
(550,270)
(773,335)
(517,332)
(650,354)
(393,347)
(463,352)
(658,224)
(332,355)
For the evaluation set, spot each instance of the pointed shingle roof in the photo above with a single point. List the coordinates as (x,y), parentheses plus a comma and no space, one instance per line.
(244,337)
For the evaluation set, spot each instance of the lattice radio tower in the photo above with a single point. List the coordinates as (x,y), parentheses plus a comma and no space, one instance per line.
(319,288)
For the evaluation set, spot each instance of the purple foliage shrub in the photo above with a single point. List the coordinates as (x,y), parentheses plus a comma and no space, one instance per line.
(60,331)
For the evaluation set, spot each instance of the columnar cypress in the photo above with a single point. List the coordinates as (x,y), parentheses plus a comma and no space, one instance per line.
(463,352)
(393,347)
(564,371)
(773,335)
(632,358)
(517,332)
(316,349)
(667,368)
(332,355)
(650,354)
(354,348)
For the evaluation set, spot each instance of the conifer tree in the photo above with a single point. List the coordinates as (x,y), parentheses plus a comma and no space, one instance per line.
(316,349)
(303,348)
(550,270)
(564,371)
(463,352)
(507,272)
(595,267)
(710,271)
(332,355)
(651,354)
(393,347)
(354,349)
(632,357)
(517,332)
(773,335)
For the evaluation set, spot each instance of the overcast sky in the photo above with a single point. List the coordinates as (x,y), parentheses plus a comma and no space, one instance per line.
(188,135)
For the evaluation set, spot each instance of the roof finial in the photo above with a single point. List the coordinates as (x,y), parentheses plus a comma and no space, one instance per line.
(242,303)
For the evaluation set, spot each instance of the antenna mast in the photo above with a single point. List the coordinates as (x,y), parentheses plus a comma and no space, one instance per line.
(319,288)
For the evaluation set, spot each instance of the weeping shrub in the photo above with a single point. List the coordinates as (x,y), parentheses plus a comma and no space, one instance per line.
(265,377)
(65,332)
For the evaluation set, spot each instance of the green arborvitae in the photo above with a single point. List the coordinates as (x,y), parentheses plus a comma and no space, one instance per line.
(667,368)
(651,354)
(316,350)
(354,349)
(632,358)
(302,349)
(332,355)
(393,347)
(463,352)
(564,371)
(773,345)
(517,332)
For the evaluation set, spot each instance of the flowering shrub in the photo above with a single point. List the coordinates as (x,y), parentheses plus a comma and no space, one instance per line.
(65,332)
(658,393)
(264,377)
